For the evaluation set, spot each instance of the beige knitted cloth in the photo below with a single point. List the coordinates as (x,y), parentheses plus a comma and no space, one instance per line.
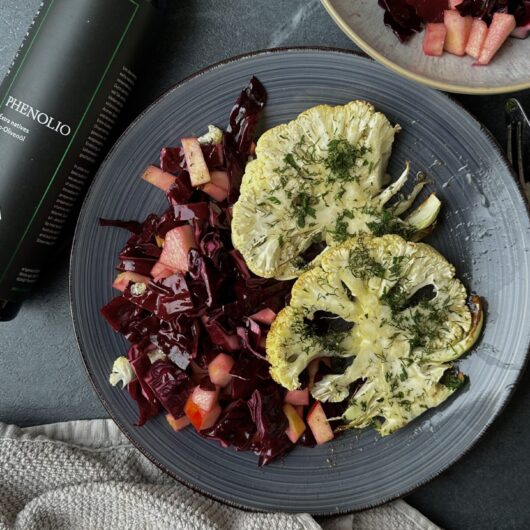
(85,475)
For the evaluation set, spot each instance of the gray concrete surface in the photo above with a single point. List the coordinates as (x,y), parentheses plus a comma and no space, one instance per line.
(42,378)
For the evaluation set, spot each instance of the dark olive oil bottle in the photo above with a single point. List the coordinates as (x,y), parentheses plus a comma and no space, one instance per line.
(60,108)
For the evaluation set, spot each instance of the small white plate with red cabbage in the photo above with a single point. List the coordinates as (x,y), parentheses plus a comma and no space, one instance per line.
(466,46)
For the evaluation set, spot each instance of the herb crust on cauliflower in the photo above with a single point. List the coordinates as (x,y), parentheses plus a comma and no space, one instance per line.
(321,179)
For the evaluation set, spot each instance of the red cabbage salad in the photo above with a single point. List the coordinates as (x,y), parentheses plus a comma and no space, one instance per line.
(196,316)
(477,28)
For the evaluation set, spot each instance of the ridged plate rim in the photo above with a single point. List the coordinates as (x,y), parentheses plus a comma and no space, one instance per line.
(420,78)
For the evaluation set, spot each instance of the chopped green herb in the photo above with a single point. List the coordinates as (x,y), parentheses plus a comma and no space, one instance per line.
(341,232)
(289,159)
(363,265)
(340,193)
(423,323)
(341,159)
(332,342)
(303,207)
(306,153)
(406,404)
(396,267)
(387,223)
(394,298)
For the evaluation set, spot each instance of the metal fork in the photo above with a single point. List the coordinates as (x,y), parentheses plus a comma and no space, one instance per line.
(518,142)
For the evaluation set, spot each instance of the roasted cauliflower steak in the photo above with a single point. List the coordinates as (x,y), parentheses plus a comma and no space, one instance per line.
(321,178)
(394,317)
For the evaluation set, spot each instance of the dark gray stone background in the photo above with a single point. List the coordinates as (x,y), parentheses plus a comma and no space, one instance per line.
(42,378)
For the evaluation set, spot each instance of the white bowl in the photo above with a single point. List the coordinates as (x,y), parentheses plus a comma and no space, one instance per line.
(362,21)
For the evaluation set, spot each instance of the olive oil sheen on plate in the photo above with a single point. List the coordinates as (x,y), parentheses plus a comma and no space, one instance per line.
(59,108)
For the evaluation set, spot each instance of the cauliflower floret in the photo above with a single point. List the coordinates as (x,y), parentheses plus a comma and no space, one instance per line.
(121,372)
(213,136)
(394,311)
(320,179)
(156,355)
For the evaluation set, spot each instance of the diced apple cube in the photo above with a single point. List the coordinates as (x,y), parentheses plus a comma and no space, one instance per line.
(177,424)
(500,28)
(177,245)
(197,168)
(215,192)
(265,316)
(161,271)
(200,418)
(434,39)
(205,399)
(300,410)
(211,417)
(458,29)
(161,179)
(219,369)
(220,179)
(296,424)
(319,424)
(123,279)
(479,30)
(297,397)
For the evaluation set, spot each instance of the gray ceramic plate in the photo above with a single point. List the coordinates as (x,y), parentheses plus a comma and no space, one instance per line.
(485,232)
